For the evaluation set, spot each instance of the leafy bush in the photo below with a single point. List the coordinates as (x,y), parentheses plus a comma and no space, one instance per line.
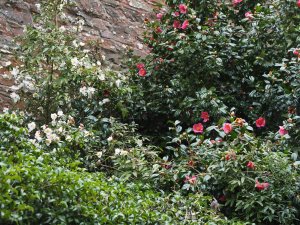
(38,190)
(57,71)
(231,49)
(255,179)
(95,147)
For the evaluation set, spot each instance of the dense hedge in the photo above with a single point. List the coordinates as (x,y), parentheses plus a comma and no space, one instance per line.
(35,189)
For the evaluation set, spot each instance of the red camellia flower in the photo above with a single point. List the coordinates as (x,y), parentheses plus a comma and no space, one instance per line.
(159,16)
(159,30)
(222,198)
(261,186)
(250,165)
(140,65)
(227,157)
(198,128)
(185,24)
(142,72)
(249,15)
(176,14)
(183,8)
(230,155)
(298,3)
(106,93)
(227,127)
(282,131)
(191,180)
(296,52)
(260,122)
(176,24)
(236,2)
(205,116)
(190,163)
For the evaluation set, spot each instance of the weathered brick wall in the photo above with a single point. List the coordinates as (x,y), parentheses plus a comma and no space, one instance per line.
(119,23)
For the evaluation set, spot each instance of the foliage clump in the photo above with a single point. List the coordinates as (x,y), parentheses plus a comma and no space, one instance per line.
(204,128)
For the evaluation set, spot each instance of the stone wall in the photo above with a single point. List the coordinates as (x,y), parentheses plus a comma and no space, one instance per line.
(118,23)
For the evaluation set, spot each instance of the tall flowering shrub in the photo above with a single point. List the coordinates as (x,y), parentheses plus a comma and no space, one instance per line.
(229,47)
(55,71)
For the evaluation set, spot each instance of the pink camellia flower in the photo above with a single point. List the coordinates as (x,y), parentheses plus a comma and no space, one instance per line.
(198,128)
(250,165)
(298,3)
(176,24)
(159,16)
(159,30)
(191,180)
(282,131)
(142,72)
(296,52)
(236,2)
(140,65)
(185,24)
(183,8)
(205,116)
(176,14)
(227,127)
(249,15)
(260,122)
(261,186)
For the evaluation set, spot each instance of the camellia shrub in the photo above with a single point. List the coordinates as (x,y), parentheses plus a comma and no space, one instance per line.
(229,51)
(55,71)
(254,179)
(96,147)
(39,189)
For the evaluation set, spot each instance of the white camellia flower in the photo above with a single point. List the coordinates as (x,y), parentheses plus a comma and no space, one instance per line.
(48,142)
(5,110)
(123,152)
(99,154)
(37,136)
(139,143)
(83,90)
(8,63)
(53,137)
(31,126)
(117,151)
(109,139)
(15,72)
(101,76)
(48,131)
(14,88)
(90,92)
(15,97)
(60,113)
(75,62)
(38,6)
(68,138)
(74,43)
(60,130)
(118,83)
(53,116)
(106,100)
(62,29)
